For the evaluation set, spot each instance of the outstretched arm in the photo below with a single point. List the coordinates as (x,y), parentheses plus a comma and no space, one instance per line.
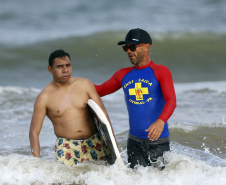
(113,84)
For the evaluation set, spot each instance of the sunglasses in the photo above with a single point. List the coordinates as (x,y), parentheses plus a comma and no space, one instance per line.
(131,47)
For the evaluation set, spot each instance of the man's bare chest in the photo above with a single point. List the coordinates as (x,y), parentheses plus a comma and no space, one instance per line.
(63,104)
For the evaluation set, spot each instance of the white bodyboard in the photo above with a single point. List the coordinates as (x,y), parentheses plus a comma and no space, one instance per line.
(104,128)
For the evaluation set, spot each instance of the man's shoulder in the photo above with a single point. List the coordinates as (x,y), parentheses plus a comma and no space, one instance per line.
(46,90)
(42,98)
(159,67)
(161,72)
(79,80)
(80,83)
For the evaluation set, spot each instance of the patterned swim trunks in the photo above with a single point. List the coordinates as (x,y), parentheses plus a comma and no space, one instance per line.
(72,152)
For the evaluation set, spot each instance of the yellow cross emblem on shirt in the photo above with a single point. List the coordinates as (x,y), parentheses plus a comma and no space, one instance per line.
(138,91)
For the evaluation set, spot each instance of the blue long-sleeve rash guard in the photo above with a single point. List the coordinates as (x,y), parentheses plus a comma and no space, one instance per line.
(149,95)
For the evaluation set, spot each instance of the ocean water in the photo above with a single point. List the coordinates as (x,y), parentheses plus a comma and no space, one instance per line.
(188,36)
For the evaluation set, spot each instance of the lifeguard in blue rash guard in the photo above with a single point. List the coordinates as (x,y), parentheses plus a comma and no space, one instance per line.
(150,99)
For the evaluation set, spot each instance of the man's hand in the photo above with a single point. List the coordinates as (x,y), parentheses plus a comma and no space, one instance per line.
(155,129)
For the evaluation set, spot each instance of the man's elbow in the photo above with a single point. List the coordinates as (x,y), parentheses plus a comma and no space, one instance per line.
(33,134)
(174,103)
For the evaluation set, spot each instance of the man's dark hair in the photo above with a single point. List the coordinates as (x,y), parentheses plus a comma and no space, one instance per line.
(57,54)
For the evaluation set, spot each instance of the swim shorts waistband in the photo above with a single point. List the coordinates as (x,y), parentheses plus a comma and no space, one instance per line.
(156,142)
(95,135)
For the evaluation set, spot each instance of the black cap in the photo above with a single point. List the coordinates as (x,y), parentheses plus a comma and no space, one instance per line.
(136,36)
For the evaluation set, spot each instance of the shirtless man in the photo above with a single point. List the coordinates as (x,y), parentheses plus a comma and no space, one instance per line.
(64,101)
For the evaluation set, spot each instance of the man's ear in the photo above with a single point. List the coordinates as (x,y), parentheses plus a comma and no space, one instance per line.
(148,46)
(50,69)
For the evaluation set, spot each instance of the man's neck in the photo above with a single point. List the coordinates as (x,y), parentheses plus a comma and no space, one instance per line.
(143,63)
(59,85)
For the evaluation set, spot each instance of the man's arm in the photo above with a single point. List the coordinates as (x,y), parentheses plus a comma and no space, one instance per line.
(108,87)
(168,91)
(114,83)
(165,79)
(36,125)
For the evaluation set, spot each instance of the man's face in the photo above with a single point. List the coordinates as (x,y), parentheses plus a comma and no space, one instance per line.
(136,53)
(61,69)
